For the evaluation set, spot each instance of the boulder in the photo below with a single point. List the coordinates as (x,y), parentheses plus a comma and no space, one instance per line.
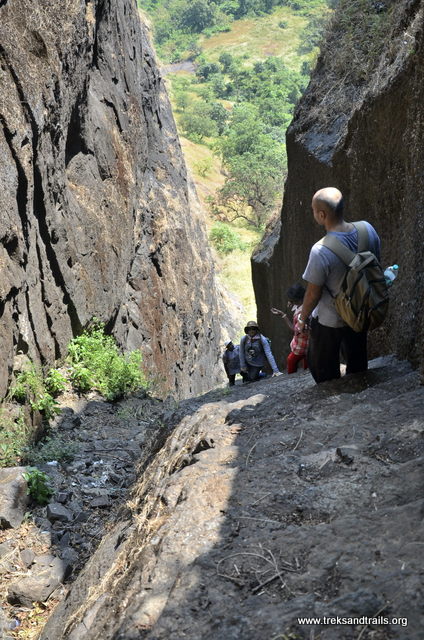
(13,497)
(46,575)
(56,512)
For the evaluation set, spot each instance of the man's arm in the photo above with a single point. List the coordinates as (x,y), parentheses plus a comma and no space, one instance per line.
(310,301)
(268,355)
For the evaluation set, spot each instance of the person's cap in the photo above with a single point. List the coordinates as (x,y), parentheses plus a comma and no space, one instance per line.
(251,325)
(227,343)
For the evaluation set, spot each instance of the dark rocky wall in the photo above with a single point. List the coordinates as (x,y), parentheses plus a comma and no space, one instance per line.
(374,153)
(98,216)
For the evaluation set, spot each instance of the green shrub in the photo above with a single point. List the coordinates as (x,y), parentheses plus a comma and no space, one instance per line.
(14,437)
(29,387)
(224,238)
(95,363)
(55,382)
(38,487)
(204,167)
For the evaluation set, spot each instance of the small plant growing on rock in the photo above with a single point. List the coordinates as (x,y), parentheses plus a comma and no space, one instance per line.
(204,167)
(14,435)
(55,382)
(96,363)
(29,387)
(38,485)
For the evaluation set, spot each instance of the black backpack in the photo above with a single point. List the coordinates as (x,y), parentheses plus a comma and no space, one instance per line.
(363,299)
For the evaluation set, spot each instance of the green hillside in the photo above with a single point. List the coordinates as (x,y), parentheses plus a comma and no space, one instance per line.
(235,70)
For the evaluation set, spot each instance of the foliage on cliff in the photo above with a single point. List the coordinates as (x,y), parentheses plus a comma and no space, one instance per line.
(363,40)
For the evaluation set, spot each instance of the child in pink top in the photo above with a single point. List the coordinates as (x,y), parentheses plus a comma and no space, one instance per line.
(299,343)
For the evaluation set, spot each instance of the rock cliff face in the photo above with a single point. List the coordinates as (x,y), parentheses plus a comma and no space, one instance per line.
(99,217)
(360,127)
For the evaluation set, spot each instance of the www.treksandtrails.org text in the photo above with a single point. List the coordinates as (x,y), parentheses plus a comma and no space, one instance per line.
(380,620)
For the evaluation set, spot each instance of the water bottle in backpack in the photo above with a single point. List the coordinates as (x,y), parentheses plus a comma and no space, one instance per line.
(390,274)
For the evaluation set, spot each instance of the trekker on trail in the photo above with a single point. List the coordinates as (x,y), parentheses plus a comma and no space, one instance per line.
(255,352)
(231,360)
(324,274)
(299,343)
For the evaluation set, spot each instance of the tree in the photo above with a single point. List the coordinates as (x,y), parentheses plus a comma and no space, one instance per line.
(206,69)
(219,114)
(197,15)
(197,123)
(219,86)
(182,100)
(255,163)
(226,60)
(253,186)
(244,132)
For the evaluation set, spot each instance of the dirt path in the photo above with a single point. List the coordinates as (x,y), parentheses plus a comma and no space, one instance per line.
(279,501)
(187,66)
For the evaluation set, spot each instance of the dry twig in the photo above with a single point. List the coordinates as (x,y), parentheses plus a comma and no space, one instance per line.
(248,455)
(374,616)
(259,499)
(298,442)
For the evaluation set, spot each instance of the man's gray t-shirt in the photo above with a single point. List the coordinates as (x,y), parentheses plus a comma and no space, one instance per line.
(326,270)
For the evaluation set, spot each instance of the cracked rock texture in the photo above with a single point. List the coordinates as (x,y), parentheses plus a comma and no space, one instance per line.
(364,136)
(99,217)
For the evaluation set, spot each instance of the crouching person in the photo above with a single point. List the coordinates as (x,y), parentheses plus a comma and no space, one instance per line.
(231,360)
(255,352)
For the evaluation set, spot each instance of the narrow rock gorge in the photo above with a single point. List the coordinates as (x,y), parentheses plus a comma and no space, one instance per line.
(99,216)
(358,127)
(254,512)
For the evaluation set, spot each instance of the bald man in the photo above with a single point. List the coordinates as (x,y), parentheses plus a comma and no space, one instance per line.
(324,274)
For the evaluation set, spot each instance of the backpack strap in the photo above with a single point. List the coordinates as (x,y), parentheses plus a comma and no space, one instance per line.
(337,247)
(363,238)
(341,250)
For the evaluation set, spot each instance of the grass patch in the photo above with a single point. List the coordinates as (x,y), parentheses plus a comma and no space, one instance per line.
(357,37)
(362,41)
(206,185)
(259,38)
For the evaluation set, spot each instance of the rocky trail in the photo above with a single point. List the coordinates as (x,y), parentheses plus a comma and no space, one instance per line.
(262,505)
